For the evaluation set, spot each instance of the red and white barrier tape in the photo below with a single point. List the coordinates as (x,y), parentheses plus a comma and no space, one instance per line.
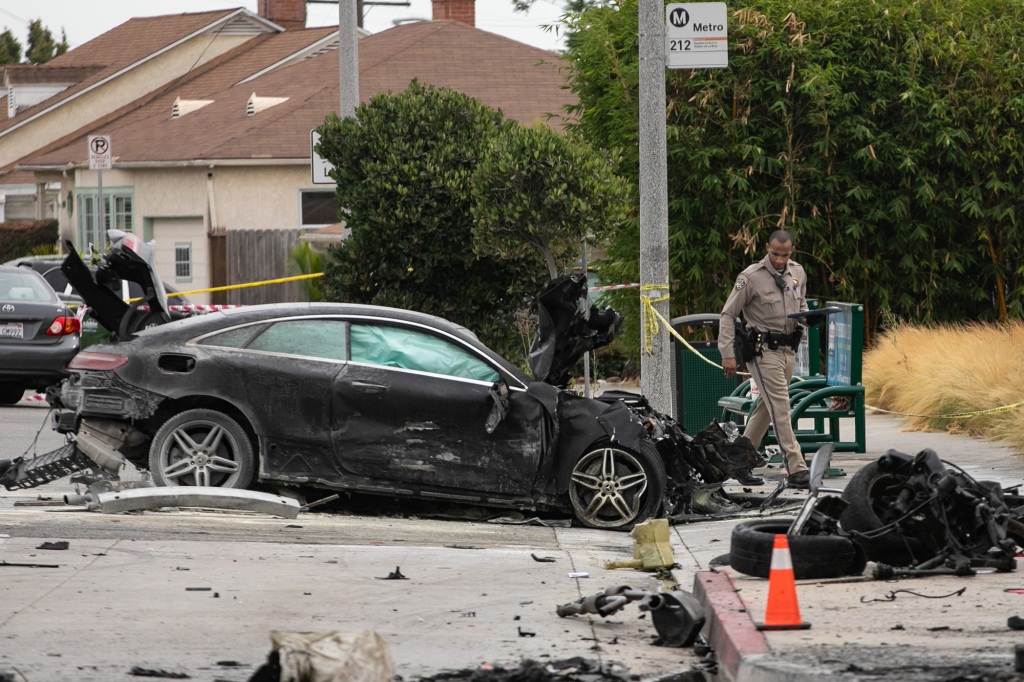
(610,287)
(200,308)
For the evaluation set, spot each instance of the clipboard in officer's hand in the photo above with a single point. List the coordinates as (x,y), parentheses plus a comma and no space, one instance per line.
(812,317)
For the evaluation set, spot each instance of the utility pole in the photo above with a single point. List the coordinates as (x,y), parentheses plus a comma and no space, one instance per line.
(655,350)
(348,58)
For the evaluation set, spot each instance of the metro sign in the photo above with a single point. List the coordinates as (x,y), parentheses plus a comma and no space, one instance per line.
(696,35)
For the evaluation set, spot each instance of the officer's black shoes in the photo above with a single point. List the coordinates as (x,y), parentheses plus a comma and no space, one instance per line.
(800,479)
(747,477)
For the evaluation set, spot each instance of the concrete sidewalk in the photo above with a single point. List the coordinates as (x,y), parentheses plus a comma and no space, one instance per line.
(861,628)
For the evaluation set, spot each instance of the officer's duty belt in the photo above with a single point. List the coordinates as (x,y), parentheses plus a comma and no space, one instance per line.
(775,339)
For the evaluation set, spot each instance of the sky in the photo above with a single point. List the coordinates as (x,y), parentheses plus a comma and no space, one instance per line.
(83,20)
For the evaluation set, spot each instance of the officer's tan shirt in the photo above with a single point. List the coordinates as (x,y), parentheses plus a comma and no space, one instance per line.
(763,304)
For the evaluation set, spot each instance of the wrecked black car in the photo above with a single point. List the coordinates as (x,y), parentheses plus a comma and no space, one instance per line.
(364,398)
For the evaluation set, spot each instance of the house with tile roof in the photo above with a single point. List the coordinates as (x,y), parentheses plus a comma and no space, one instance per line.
(46,102)
(223,150)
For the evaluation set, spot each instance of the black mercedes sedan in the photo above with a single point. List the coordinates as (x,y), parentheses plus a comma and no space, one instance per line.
(361,398)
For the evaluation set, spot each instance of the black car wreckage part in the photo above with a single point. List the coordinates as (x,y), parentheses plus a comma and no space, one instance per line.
(910,514)
(677,616)
(917,512)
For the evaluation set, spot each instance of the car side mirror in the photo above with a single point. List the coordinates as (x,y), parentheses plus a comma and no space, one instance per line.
(501,403)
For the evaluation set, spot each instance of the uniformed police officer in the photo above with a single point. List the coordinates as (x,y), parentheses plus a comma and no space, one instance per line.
(765,293)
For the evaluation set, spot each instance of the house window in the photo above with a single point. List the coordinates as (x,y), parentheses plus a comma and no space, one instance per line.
(183,262)
(318,209)
(117,214)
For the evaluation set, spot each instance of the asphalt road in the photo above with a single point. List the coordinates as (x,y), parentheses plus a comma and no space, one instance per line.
(198,592)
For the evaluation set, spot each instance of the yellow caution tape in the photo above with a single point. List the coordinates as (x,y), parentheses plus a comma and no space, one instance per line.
(649,316)
(658,316)
(230,287)
(1003,408)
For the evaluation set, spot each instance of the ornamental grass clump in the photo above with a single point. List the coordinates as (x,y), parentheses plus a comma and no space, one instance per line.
(951,377)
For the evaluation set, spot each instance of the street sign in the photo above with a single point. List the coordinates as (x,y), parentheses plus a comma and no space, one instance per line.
(99,152)
(321,168)
(696,36)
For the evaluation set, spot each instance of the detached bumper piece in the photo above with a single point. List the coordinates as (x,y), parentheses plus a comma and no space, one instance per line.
(29,473)
(116,501)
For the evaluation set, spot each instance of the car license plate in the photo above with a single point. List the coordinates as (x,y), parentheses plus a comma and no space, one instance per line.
(12,330)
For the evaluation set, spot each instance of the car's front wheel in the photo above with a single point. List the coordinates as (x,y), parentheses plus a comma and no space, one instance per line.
(202,447)
(616,488)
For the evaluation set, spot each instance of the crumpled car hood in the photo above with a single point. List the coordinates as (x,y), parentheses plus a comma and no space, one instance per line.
(567,327)
(129,258)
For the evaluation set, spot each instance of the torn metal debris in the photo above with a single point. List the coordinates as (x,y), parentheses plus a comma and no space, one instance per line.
(677,616)
(114,501)
(914,515)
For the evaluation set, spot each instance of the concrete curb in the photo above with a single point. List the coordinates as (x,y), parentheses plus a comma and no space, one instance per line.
(729,628)
(742,651)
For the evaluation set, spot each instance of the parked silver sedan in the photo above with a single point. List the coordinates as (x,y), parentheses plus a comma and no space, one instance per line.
(38,334)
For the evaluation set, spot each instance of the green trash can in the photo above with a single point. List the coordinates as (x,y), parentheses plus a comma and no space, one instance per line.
(697,384)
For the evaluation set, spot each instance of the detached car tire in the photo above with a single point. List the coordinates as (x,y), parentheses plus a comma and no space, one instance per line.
(202,447)
(612,487)
(814,556)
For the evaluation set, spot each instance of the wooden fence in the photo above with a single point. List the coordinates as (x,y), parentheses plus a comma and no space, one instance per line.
(257,255)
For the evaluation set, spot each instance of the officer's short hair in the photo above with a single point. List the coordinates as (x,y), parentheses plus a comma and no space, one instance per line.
(781,236)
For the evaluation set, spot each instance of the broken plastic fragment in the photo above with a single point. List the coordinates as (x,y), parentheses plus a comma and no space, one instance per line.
(394,575)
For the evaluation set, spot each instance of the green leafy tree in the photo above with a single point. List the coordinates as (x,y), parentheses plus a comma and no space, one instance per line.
(885,136)
(41,45)
(543,191)
(404,166)
(10,48)
(62,46)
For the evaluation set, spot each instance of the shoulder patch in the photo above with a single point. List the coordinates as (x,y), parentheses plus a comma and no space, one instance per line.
(741,282)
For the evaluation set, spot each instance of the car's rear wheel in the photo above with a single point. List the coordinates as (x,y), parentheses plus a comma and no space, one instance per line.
(613,487)
(202,447)
(11,393)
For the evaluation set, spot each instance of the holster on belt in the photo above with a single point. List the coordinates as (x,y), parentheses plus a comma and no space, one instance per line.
(747,344)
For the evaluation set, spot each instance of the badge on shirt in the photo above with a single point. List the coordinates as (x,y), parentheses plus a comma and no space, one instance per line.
(741,282)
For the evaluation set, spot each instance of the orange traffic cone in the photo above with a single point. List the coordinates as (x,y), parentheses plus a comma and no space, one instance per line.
(783,612)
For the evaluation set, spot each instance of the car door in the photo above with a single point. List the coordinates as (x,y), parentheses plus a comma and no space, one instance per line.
(284,373)
(410,407)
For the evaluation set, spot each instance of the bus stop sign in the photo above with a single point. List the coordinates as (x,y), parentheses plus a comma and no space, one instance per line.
(696,36)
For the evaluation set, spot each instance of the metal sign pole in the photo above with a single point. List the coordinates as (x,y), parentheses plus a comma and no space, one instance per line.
(586,355)
(101,233)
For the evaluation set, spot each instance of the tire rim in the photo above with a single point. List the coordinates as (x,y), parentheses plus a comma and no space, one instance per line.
(606,487)
(200,452)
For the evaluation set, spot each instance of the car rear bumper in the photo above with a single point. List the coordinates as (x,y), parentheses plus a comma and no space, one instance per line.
(37,365)
(100,394)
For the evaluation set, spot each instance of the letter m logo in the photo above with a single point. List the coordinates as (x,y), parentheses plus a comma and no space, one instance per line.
(679,17)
